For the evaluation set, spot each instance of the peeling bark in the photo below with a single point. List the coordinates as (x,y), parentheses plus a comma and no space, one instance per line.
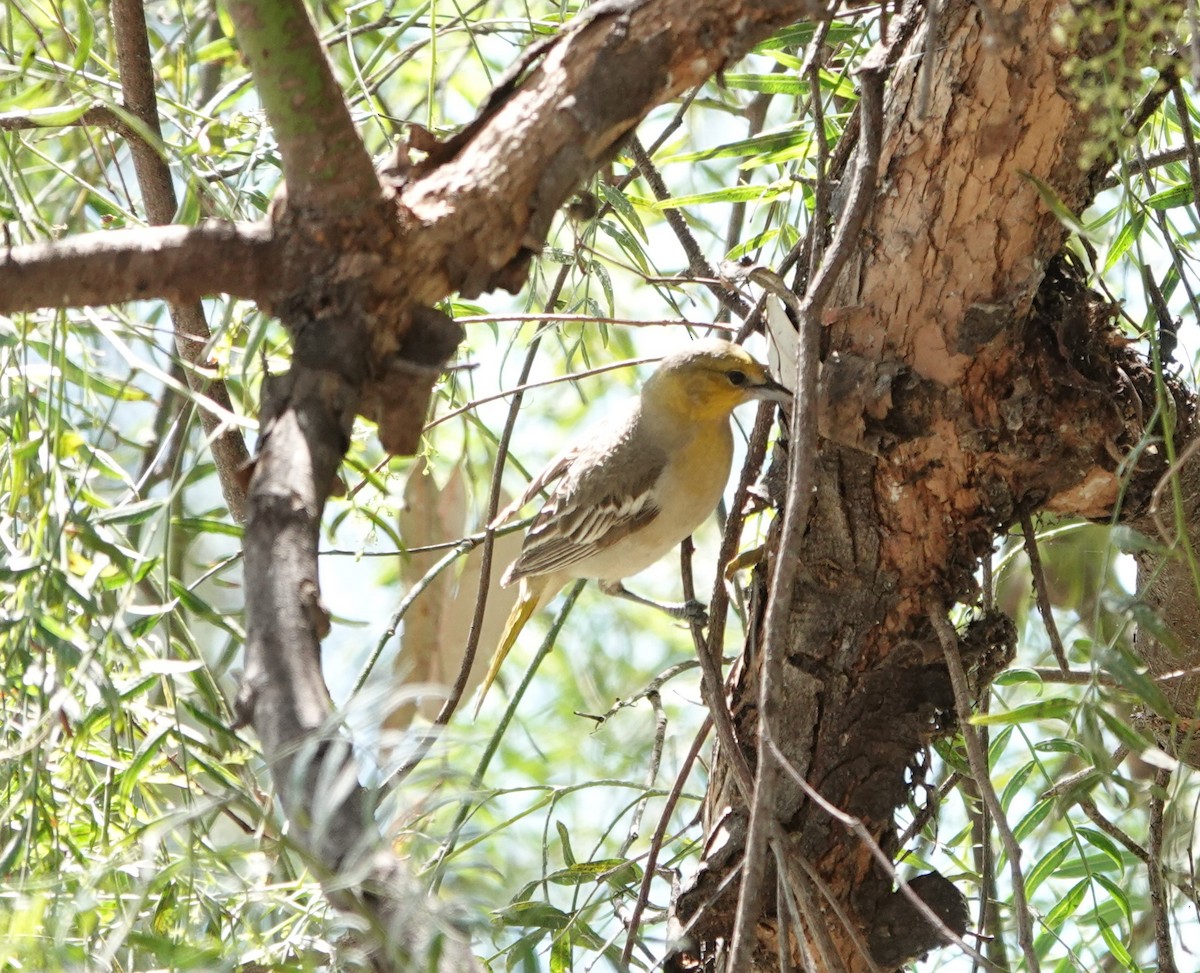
(993,373)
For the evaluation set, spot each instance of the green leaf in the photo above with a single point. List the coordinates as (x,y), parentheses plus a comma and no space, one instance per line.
(1068,905)
(798,35)
(1047,865)
(57,116)
(1118,895)
(584,872)
(541,914)
(1036,816)
(1117,948)
(1130,674)
(1056,206)
(775,84)
(86,37)
(64,632)
(601,272)
(624,208)
(130,777)
(626,241)
(1058,708)
(1016,784)
(731,194)
(1180,195)
(564,838)
(207,525)
(560,954)
(769,141)
(1125,238)
(221,49)
(136,512)
(1124,732)
(997,746)
(1060,745)
(752,244)
(1102,842)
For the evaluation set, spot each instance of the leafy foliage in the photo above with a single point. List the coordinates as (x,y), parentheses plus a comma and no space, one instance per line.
(137,829)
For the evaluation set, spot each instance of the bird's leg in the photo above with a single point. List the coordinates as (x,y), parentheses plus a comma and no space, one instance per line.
(688,611)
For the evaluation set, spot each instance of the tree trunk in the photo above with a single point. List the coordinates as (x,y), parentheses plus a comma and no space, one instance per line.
(991,384)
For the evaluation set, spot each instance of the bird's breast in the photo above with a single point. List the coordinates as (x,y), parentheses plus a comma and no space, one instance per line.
(686,493)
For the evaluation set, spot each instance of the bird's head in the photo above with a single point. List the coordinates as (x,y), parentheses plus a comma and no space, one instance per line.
(709,379)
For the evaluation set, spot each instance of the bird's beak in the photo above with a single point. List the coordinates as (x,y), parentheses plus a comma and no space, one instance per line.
(771,391)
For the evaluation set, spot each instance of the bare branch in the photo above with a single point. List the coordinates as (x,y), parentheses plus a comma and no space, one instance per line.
(495,195)
(308,413)
(1045,609)
(697,262)
(192,334)
(178,263)
(1159,901)
(325,164)
(977,758)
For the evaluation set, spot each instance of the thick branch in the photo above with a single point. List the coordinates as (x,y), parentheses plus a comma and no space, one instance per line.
(178,263)
(325,164)
(473,214)
(307,417)
(487,209)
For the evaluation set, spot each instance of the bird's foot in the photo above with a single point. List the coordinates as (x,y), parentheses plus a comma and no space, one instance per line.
(693,612)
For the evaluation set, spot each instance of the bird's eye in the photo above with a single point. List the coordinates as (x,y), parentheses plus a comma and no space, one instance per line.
(736,377)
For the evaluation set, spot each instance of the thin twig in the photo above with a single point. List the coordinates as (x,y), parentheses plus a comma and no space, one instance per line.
(493,745)
(654,686)
(485,566)
(977,758)
(697,262)
(814,240)
(1159,900)
(783,941)
(656,751)
(988,922)
(1088,806)
(461,549)
(756,114)
(926,814)
(656,841)
(1144,165)
(1045,609)
(192,334)
(810,918)
(790,900)
(526,386)
(1183,109)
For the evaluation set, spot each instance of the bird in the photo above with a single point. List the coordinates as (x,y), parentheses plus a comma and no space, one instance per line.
(629,493)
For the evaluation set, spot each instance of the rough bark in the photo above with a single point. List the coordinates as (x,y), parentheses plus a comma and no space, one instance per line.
(350,264)
(990,383)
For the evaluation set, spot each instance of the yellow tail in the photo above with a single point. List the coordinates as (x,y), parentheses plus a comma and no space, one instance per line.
(523,610)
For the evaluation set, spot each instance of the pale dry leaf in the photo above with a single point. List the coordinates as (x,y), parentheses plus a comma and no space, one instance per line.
(435,629)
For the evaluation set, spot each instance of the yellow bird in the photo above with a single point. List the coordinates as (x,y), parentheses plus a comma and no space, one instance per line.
(636,488)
